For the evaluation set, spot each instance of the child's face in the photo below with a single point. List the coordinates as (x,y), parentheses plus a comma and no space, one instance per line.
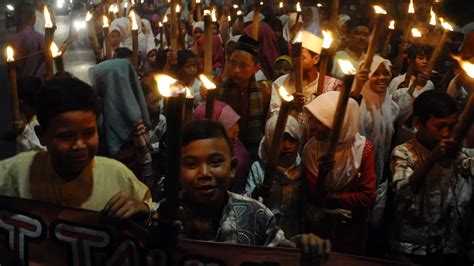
(288,151)
(308,60)
(206,170)
(151,58)
(435,129)
(214,29)
(197,33)
(115,38)
(421,61)
(358,38)
(72,141)
(380,80)
(189,70)
(319,131)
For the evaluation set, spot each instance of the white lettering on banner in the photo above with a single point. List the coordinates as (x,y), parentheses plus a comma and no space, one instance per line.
(81,241)
(20,227)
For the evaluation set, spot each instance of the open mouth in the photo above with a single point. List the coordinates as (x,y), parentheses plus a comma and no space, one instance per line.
(206,189)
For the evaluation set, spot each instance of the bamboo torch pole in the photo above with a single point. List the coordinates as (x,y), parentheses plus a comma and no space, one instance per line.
(404,41)
(58,59)
(48,39)
(323,65)
(208,43)
(285,109)
(388,38)
(173,28)
(374,40)
(211,96)
(11,66)
(133,18)
(296,52)
(349,72)
(105,27)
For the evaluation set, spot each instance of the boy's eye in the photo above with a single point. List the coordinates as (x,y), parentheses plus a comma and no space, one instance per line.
(89,132)
(189,164)
(216,161)
(64,135)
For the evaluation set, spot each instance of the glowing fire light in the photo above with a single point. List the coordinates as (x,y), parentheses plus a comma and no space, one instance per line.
(392,25)
(411,8)
(327,39)
(298,7)
(379,10)
(88,16)
(105,22)
(9,52)
(164,83)
(346,67)
(285,95)
(47,18)
(416,33)
(207,82)
(134,20)
(55,50)
(433,17)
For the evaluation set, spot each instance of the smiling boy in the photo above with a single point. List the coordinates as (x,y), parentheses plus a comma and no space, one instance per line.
(69,173)
(210,212)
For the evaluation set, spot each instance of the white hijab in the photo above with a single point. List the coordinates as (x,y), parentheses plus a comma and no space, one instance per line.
(290,23)
(313,25)
(349,150)
(378,115)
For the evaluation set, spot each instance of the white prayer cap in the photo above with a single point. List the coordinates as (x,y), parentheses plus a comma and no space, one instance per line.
(312,42)
(249,17)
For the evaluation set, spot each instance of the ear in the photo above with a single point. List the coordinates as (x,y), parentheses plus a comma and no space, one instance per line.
(316,59)
(233,166)
(40,133)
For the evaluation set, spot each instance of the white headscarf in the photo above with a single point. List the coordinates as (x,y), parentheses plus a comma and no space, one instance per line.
(349,150)
(313,25)
(292,127)
(150,39)
(378,115)
(290,23)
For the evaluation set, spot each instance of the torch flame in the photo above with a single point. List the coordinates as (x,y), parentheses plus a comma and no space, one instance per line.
(411,8)
(327,40)
(433,17)
(134,20)
(178,9)
(319,5)
(213,15)
(189,95)
(229,18)
(113,9)
(415,33)
(47,18)
(285,95)
(379,10)
(466,65)
(281,5)
(298,37)
(88,16)
(446,25)
(55,50)
(198,1)
(207,82)
(160,24)
(261,3)
(10,57)
(392,25)
(105,22)
(206,12)
(165,19)
(298,7)
(235,6)
(346,67)
(164,83)
(239,12)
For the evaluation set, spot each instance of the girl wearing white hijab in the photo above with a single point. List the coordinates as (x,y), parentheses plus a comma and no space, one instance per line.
(378,112)
(350,184)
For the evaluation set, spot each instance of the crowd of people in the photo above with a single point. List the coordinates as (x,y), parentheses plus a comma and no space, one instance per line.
(398,185)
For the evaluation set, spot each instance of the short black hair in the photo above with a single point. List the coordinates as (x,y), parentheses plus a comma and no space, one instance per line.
(123,52)
(60,95)
(433,103)
(356,22)
(28,88)
(204,129)
(419,49)
(249,45)
(24,13)
(183,56)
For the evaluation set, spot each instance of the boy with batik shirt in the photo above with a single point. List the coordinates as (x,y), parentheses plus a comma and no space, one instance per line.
(432,180)
(245,95)
(209,211)
(69,173)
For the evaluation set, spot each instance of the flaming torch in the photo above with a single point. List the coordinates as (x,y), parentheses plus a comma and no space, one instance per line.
(391,28)
(211,96)
(208,42)
(11,66)
(285,109)
(374,39)
(467,116)
(298,73)
(406,33)
(133,17)
(174,118)
(256,21)
(323,65)
(105,27)
(58,58)
(48,39)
